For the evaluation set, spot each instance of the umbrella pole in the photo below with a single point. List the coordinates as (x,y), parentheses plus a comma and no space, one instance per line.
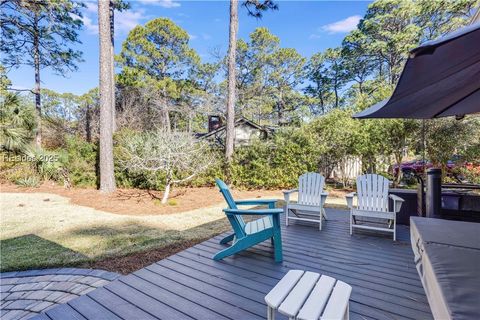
(423,147)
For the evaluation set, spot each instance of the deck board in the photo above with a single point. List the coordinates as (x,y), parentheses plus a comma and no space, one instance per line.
(190,285)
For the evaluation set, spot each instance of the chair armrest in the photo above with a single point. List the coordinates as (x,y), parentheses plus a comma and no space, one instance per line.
(397,202)
(262,212)
(287,193)
(255,201)
(349,198)
(323,198)
(268,202)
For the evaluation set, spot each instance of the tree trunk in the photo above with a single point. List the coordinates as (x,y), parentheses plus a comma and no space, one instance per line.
(190,122)
(166,193)
(112,74)
(37,91)
(88,123)
(232,49)
(336,94)
(107,177)
(398,159)
(166,120)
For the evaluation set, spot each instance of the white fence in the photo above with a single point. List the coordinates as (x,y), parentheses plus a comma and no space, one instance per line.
(348,169)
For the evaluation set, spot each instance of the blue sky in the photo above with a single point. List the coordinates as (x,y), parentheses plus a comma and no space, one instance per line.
(308,26)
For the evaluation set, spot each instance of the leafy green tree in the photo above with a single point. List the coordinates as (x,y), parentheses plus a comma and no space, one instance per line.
(320,87)
(268,79)
(287,69)
(448,137)
(327,73)
(253,71)
(60,106)
(159,50)
(390,35)
(158,57)
(17,123)
(358,63)
(437,18)
(39,34)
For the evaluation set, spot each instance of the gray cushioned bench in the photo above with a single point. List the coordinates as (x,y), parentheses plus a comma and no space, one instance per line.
(447,256)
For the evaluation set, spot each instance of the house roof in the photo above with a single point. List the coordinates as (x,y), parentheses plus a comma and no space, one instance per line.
(238,121)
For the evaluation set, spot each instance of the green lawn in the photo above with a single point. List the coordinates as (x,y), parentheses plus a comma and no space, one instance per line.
(35,233)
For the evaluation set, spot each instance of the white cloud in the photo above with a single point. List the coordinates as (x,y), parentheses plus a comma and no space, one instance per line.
(91,7)
(206,36)
(129,19)
(124,20)
(314,36)
(162,3)
(192,36)
(342,26)
(89,25)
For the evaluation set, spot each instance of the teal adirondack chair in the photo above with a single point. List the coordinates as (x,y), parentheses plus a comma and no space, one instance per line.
(248,234)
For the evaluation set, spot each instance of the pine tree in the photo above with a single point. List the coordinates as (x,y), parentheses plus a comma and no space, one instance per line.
(39,34)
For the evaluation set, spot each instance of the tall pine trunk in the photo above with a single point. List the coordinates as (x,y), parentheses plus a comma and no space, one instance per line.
(88,123)
(107,177)
(112,57)
(37,91)
(232,49)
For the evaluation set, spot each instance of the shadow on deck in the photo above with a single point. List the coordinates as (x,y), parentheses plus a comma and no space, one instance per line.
(191,285)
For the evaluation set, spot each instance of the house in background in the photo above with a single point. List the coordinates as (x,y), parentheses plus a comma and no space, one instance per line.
(245,131)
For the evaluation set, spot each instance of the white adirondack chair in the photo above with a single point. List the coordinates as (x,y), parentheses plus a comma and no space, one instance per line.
(311,199)
(372,201)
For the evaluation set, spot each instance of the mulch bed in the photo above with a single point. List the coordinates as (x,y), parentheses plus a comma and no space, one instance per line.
(135,261)
(141,202)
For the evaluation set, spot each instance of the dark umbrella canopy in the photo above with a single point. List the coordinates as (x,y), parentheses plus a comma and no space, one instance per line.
(441,78)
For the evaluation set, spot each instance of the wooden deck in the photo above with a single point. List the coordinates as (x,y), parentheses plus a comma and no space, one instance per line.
(190,285)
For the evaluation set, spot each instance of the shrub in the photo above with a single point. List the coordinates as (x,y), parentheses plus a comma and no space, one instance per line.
(12,170)
(29,182)
(80,159)
(47,164)
(275,163)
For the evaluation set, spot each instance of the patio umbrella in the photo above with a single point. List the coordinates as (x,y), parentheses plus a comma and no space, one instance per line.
(441,78)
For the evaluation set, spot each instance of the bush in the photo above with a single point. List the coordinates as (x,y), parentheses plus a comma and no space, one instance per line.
(13,170)
(47,164)
(275,163)
(207,178)
(29,182)
(80,159)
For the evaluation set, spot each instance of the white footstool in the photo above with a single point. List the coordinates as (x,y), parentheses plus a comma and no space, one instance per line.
(309,296)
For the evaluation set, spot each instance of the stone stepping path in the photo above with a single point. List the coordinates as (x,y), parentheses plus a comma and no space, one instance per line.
(23,294)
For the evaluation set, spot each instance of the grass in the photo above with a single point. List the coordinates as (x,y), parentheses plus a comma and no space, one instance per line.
(44,230)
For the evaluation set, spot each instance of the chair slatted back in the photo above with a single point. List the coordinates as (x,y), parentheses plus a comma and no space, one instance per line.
(310,187)
(237,222)
(372,192)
